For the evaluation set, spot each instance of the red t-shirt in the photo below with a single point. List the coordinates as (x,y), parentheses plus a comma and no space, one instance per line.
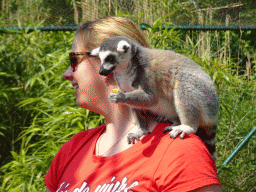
(156,163)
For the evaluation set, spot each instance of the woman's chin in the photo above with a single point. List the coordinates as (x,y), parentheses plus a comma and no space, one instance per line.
(81,103)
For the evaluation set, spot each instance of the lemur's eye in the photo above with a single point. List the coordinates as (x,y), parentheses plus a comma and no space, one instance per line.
(110,58)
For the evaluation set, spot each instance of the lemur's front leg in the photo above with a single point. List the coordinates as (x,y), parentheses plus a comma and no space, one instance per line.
(136,99)
(142,120)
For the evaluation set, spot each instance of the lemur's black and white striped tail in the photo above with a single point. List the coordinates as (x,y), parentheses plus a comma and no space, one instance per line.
(208,138)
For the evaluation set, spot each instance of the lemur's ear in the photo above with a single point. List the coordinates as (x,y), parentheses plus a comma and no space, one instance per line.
(95,52)
(123,46)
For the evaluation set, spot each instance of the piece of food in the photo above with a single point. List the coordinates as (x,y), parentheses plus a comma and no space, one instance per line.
(116,90)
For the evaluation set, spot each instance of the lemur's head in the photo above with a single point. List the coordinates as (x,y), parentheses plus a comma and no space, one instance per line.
(114,53)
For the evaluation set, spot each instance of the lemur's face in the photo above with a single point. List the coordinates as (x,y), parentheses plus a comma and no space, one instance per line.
(113,58)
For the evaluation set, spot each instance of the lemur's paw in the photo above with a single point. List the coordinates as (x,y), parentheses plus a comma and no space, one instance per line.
(132,137)
(116,97)
(161,119)
(175,130)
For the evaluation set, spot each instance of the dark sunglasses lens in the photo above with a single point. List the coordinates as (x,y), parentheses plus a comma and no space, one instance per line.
(76,57)
(73,61)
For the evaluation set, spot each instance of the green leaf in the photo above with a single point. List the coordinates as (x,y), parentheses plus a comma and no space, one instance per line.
(4,74)
(141,14)
(15,155)
(80,125)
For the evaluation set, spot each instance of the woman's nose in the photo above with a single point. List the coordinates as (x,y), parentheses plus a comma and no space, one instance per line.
(68,75)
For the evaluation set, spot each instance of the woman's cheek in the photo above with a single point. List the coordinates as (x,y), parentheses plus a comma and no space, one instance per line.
(87,96)
(92,91)
(92,87)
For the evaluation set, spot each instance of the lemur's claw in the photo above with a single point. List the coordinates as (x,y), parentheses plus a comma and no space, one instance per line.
(132,137)
(175,130)
(168,128)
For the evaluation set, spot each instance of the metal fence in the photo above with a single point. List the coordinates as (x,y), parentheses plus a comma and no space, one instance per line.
(43,13)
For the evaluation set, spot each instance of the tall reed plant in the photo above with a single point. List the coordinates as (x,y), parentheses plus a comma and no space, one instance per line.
(39,113)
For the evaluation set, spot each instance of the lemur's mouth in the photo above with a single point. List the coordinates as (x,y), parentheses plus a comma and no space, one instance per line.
(107,70)
(110,80)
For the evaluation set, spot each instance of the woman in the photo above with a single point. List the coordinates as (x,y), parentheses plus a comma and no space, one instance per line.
(101,159)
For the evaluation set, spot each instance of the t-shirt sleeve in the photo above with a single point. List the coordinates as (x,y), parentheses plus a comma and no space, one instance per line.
(51,178)
(65,155)
(186,165)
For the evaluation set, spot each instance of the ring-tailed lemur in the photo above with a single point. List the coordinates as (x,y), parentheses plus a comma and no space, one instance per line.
(166,83)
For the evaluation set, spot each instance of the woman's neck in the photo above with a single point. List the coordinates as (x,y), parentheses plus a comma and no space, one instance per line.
(118,126)
(120,121)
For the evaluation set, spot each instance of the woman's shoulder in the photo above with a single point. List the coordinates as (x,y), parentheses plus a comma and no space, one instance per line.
(191,145)
(185,164)
(189,139)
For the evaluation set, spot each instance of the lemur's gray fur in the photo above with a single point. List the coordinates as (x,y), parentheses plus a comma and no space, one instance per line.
(165,83)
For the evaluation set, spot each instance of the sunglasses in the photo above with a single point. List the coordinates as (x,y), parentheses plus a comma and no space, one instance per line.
(77,57)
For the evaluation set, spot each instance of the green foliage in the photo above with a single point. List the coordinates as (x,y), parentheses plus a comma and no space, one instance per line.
(39,112)
(73,12)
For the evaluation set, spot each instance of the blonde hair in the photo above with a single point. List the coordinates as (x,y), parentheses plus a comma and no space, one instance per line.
(91,34)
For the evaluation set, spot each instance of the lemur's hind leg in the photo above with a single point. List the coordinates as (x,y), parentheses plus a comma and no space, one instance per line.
(187,108)
(141,117)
